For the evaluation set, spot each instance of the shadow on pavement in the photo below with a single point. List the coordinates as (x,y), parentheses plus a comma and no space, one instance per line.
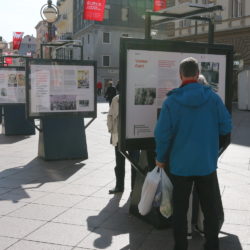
(119,224)
(34,175)
(12,139)
(142,236)
(229,242)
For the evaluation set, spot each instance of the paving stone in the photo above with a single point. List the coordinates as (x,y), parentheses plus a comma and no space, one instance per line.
(57,233)
(6,242)
(61,200)
(17,227)
(38,212)
(32,245)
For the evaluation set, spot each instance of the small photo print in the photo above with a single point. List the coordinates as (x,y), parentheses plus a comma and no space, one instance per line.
(83,103)
(83,79)
(145,96)
(20,79)
(12,81)
(210,70)
(3,92)
(62,102)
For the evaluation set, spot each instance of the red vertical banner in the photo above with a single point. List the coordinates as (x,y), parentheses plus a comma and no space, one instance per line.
(94,10)
(160,4)
(17,39)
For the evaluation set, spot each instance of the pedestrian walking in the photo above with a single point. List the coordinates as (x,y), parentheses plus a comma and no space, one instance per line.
(110,92)
(99,88)
(187,133)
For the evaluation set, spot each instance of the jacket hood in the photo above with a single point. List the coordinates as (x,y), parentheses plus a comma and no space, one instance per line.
(192,95)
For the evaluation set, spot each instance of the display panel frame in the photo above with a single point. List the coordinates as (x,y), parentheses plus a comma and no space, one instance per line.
(71,101)
(15,69)
(179,47)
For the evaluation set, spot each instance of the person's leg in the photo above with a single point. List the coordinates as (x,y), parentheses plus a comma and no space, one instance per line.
(189,215)
(181,193)
(207,191)
(119,172)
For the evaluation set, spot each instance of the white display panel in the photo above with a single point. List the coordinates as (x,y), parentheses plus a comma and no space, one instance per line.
(61,88)
(151,75)
(12,86)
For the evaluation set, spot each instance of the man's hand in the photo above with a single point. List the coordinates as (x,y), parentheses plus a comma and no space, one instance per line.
(161,164)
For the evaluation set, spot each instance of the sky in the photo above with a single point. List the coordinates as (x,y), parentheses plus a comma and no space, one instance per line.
(20,16)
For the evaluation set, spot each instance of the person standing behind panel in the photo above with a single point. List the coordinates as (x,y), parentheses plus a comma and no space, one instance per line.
(188,129)
(112,124)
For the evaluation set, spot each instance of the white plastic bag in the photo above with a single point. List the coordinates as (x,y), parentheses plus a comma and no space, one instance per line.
(166,207)
(148,191)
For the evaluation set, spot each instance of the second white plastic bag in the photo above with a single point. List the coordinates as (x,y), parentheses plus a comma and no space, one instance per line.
(166,207)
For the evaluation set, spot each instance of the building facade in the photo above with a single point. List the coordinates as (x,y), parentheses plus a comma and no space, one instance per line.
(41,31)
(232,26)
(64,24)
(28,46)
(101,40)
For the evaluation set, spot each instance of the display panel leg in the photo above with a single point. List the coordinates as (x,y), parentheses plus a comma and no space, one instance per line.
(62,138)
(14,121)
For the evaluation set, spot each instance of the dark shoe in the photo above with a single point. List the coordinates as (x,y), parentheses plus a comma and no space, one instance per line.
(116,190)
(189,236)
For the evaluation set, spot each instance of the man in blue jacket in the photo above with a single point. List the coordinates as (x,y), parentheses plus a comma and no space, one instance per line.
(187,142)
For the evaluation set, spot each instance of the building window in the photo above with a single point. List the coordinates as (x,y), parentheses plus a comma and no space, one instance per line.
(88,38)
(124,14)
(106,37)
(185,23)
(82,40)
(105,61)
(236,7)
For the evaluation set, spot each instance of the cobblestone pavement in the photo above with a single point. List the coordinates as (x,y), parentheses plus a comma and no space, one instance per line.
(63,205)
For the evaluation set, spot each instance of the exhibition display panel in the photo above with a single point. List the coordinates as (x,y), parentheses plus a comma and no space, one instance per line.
(12,85)
(61,93)
(150,69)
(61,87)
(13,101)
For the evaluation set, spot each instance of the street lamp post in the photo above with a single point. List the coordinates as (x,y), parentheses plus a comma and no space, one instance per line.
(49,13)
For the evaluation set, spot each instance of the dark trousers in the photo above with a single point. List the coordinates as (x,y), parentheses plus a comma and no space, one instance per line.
(120,167)
(208,193)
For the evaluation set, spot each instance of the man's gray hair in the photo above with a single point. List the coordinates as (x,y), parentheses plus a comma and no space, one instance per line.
(189,67)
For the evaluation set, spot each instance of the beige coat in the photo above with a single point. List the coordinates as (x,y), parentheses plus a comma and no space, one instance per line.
(112,120)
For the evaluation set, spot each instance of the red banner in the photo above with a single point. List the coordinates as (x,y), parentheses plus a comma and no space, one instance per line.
(94,10)
(17,39)
(8,60)
(160,4)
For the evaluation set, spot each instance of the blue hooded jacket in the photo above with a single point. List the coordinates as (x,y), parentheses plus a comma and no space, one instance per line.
(188,129)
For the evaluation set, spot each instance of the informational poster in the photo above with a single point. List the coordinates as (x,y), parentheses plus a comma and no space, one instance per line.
(61,89)
(151,75)
(12,85)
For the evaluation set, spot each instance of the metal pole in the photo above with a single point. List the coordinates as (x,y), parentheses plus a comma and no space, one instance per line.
(1,39)
(147,26)
(81,52)
(211,32)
